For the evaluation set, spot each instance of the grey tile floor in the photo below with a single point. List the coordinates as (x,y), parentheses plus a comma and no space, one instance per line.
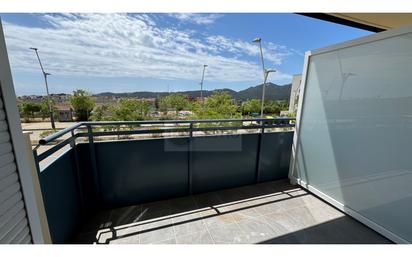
(268,213)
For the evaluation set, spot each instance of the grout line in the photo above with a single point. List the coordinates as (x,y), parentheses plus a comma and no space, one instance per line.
(204,223)
(220,199)
(138,235)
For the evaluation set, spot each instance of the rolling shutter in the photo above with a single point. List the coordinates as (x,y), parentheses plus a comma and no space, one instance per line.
(14,226)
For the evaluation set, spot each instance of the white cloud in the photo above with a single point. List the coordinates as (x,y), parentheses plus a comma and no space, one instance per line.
(197,18)
(111,45)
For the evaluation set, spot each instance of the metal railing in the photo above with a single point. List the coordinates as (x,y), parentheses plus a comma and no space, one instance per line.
(90,130)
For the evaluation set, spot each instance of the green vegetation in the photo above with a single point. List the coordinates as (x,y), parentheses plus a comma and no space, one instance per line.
(131,109)
(219,105)
(31,110)
(82,104)
(252,107)
(175,102)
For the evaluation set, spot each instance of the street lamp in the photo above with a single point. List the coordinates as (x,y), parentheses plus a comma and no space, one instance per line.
(259,40)
(201,83)
(45,74)
(266,74)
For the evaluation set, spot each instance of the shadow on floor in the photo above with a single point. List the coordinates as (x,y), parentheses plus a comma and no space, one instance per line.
(337,231)
(267,213)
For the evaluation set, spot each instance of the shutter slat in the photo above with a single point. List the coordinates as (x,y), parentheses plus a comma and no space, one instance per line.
(19,226)
(11,213)
(6,159)
(9,191)
(26,239)
(9,203)
(2,115)
(5,147)
(10,226)
(4,137)
(20,236)
(7,170)
(3,125)
(7,181)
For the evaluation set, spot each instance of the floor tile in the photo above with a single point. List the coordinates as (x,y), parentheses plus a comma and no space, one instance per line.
(212,219)
(228,234)
(188,224)
(156,231)
(165,242)
(126,240)
(281,223)
(256,230)
(240,211)
(156,235)
(195,238)
(267,213)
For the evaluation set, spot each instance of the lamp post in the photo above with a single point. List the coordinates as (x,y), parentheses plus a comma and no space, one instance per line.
(201,83)
(266,74)
(259,40)
(45,74)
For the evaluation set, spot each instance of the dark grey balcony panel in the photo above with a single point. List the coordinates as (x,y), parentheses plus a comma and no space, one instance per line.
(129,172)
(275,156)
(61,197)
(220,162)
(136,171)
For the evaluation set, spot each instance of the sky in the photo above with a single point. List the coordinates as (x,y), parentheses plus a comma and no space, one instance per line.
(119,52)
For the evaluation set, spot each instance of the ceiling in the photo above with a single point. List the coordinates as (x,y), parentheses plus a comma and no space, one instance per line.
(375,22)
(379,20)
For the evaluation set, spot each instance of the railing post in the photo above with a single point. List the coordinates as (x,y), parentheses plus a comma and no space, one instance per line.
(93,162)
(76,162)
(189,161)
(36,160)
(259,147)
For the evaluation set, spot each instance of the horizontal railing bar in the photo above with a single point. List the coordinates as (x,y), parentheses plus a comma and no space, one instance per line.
(130,132)
(102,123)
(54,149)
(237,127)
(158,131)
(62,132)
(58,134)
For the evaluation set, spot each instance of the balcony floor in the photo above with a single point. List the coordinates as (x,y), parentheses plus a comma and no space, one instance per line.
(267,213)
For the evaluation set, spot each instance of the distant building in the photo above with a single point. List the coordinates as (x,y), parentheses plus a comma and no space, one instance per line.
(64,112)
(294,93)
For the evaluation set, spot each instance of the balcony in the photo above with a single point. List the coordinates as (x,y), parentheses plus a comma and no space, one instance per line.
(185,182)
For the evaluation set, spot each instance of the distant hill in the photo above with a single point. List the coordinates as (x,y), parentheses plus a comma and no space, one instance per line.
(273,92)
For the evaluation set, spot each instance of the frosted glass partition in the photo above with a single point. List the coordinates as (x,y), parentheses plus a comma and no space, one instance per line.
(355,130)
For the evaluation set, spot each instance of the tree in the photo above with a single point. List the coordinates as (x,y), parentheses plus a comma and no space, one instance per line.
(251,106)
(82,104)
(131,110)
(45,111)
(29,109)
(177,102)
(219,105)
(102,113)
(274,107)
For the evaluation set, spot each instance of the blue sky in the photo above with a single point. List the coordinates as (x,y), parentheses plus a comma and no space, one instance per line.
(157,52)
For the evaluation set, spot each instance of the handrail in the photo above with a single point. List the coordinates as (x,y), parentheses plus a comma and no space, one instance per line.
(102,123)
(58,134)
(262,121)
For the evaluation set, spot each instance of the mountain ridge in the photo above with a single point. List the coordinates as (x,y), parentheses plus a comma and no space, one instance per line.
(272,92)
